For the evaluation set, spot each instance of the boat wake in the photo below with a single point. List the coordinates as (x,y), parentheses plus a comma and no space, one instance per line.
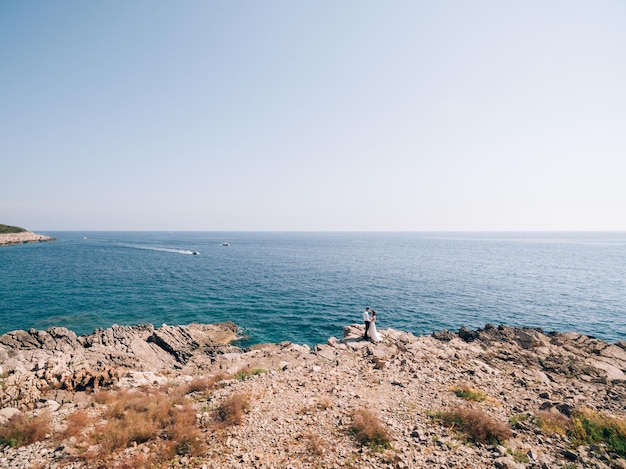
(160,249)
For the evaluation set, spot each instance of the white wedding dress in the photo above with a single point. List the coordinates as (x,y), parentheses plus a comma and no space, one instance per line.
(373,333)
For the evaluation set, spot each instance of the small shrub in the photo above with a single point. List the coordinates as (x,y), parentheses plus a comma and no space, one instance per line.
(369,431)
(5,229)
(305,410)
(324,404)
(184,434)
(519,456)
(313,442)
(591,427)
(552,422)
(148,415)
(137,461)
(202,384)
(466,392)
(248,371)
(104,397)
(519,419)
(476,424)
(231,411)
(77,423)
(198,385)
(21,430)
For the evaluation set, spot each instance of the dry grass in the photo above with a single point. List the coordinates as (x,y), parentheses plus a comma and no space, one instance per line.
(247,371)
(143,416)
(137,461)
(200,385)
(134,417)
(552,422)
(369,431)
(324,403)
(204,384)
(162,419)
(104,397)
(232,409)
(586,427)
(466,392)
(479,426)
(77,424)
(592,427)
(21,430)
(313,443)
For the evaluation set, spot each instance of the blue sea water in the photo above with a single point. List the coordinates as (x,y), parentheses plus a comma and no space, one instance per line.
(305,287)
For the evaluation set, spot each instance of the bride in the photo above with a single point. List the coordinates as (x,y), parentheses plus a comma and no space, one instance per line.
(372,332)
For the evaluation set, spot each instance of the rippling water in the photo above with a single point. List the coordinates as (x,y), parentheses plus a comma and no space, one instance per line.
(304,287)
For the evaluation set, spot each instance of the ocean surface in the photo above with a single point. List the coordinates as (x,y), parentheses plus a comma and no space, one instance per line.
(305,287)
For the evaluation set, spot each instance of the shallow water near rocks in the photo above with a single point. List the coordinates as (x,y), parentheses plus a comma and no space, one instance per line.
(305,287)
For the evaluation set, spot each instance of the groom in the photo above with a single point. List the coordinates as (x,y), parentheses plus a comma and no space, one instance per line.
(366,320)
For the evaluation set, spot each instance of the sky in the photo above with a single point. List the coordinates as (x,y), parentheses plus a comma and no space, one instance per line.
(313,116)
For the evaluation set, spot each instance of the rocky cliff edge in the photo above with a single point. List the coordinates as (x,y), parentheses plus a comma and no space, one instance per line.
(304,399)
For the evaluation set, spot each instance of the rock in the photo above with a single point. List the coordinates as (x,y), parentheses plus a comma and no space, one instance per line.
(7,239)
(565,409)
(468,335)
(528,340)
(175,341)
(612,372)
(614,352)
(60,359)
(570,455)
(325,351)
(135,379)
(500,450)
(532,455)
(504,463)
(619,463)
(444,336)
(302,406)
(7,413)
(52,405)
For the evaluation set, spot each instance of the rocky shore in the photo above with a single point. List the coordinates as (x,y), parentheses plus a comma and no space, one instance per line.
(300,407)
(7,239)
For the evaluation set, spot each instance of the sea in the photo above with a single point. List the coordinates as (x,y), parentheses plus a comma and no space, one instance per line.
(305,287)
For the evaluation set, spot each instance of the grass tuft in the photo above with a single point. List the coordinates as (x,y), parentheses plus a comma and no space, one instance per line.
(142,416)
(464,391)
(248,371)
(592,427)
(586,427)
(519,419)
(231,411)
(324,404)
(369,431)
(314,443)
(77,423)
(479,426)
(199,385)
(552,422)
(21,430)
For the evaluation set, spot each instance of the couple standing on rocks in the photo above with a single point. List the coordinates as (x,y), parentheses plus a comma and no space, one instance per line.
(369,317)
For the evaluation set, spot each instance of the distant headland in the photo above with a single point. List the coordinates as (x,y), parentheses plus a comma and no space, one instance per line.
(16,235)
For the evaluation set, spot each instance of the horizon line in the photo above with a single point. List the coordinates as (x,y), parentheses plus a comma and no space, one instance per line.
(330,231)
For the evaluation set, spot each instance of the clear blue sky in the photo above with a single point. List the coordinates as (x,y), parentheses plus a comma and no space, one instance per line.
(316,115)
